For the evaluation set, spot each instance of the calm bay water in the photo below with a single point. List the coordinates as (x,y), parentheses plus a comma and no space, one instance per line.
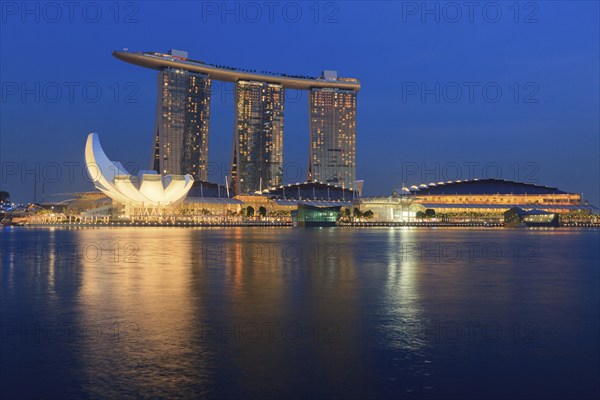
(271,313)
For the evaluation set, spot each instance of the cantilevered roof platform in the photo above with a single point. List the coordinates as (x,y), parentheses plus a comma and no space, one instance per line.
(229,74)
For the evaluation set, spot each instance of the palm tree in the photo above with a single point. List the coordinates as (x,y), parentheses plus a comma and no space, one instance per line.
(347,214)
(262,211)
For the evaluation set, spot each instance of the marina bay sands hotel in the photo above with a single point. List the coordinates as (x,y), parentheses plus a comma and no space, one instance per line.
(183,115)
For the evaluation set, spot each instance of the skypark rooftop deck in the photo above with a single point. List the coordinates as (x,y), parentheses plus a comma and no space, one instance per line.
(229,74)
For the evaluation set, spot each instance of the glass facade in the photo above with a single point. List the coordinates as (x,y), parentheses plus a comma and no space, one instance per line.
(517,216)
(332,136)
(389,209)
(310,216)
(182,122)
(312,191)
(258,136)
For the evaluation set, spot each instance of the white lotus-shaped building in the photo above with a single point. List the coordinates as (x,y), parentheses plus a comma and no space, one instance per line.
(146,190)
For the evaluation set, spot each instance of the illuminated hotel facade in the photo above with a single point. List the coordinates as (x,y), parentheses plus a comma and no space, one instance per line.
(183,114)
(332,157)
(258,136)
(182,123)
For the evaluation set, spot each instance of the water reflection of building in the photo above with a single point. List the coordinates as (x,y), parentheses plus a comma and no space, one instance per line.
(138,299)
(279,296)
(402,291)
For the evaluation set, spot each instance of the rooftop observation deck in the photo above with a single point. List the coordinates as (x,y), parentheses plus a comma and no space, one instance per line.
(229,74)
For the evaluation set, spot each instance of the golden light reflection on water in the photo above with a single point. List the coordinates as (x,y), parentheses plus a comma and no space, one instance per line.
(217,311)
(141,290)
(402,291)
(237,297)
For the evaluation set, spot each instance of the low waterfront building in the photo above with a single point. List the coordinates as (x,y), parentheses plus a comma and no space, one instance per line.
(55,206)
(493,192)
(84,201)
(490,198)
(209,189)
(311,190)
(474,200)
(394,208)
(518,217)
(308,216)
(209,206)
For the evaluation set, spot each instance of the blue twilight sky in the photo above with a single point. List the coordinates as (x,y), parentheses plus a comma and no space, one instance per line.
(450,90)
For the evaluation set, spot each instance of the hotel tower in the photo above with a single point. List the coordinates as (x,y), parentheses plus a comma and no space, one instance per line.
(182,121)
(332,155)
(258,136)
(183,113)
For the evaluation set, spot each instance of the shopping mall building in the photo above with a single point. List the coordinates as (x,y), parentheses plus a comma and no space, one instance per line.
(477,199)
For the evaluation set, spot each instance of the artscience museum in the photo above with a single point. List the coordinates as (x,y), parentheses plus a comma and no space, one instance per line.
(146,193)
